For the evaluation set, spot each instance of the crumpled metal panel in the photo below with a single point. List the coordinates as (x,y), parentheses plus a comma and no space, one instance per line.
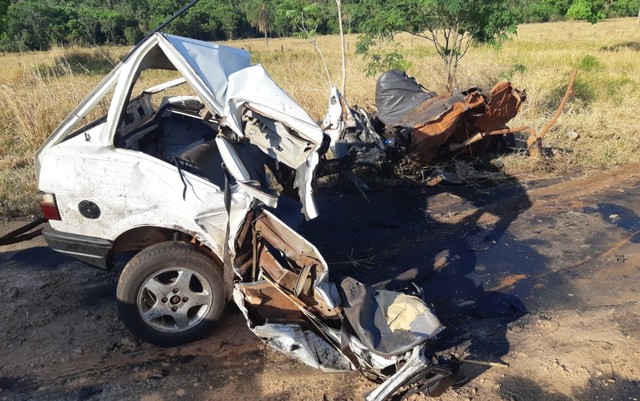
(269,303)
(287,309)
(433,122)
(503,104)
(254,88)
(291,339)
(148,190)
(276,140)
(431,110)
(202,56)
(304,346)
(454,118)
(226,83)
(304,259)
(414,365)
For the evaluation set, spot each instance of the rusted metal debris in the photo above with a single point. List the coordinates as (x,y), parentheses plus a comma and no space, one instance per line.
(451,123)
(419,125)
(462,120)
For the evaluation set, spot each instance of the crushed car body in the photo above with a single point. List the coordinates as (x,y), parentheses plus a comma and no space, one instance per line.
(421,125)
(187,182)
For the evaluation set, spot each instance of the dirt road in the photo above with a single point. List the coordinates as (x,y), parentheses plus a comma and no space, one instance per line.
(537,273)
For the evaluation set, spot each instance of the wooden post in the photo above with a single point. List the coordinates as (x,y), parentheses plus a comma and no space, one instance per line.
(343,89)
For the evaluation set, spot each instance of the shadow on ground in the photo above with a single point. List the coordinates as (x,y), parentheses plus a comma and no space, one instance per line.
(395,237)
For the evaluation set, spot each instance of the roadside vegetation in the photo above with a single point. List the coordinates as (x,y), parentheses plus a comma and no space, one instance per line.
(597,130)
(41,24)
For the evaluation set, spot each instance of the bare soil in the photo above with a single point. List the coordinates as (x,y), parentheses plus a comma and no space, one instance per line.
(537,275)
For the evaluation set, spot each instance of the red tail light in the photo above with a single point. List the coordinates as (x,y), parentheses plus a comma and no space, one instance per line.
(49,206)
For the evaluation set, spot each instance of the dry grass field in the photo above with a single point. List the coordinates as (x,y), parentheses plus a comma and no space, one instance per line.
(38,89)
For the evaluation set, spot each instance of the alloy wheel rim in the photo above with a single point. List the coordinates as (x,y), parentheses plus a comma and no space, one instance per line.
(174,300)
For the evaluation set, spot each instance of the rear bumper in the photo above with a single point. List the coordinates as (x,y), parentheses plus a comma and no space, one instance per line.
(91,250)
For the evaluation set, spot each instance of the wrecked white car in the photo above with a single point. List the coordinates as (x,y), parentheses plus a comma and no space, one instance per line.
(188,182)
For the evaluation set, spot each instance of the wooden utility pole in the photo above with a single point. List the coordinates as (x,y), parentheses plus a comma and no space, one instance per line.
(343,89)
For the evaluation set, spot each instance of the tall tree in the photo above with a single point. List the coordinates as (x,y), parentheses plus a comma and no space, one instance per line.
(307,18)
(450,25)
(259,14)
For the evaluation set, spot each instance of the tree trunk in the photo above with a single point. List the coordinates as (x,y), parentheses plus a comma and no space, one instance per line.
(343,50)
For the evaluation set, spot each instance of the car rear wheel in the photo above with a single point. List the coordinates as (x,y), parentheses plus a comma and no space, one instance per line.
(170,294)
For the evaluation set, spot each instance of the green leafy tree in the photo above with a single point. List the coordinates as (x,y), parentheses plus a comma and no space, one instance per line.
(597,10)
(625,8)
(450,25)
(35,25)
(588,10)
(141,11)
(207,20)
(86,27)
(349,11)
(539,11)
(561,5)
(286,16)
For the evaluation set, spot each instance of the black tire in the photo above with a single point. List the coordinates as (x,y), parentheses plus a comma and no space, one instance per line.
(170,294)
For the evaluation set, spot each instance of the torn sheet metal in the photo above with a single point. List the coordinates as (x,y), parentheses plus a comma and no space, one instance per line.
(353,137)
(430,123)
(417,375)
(434,121)
(502,105)
(201,55)
(254,88)
(419,125)
(295,309)
(433,129)
(320,346)
(303,345)
(304,259)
